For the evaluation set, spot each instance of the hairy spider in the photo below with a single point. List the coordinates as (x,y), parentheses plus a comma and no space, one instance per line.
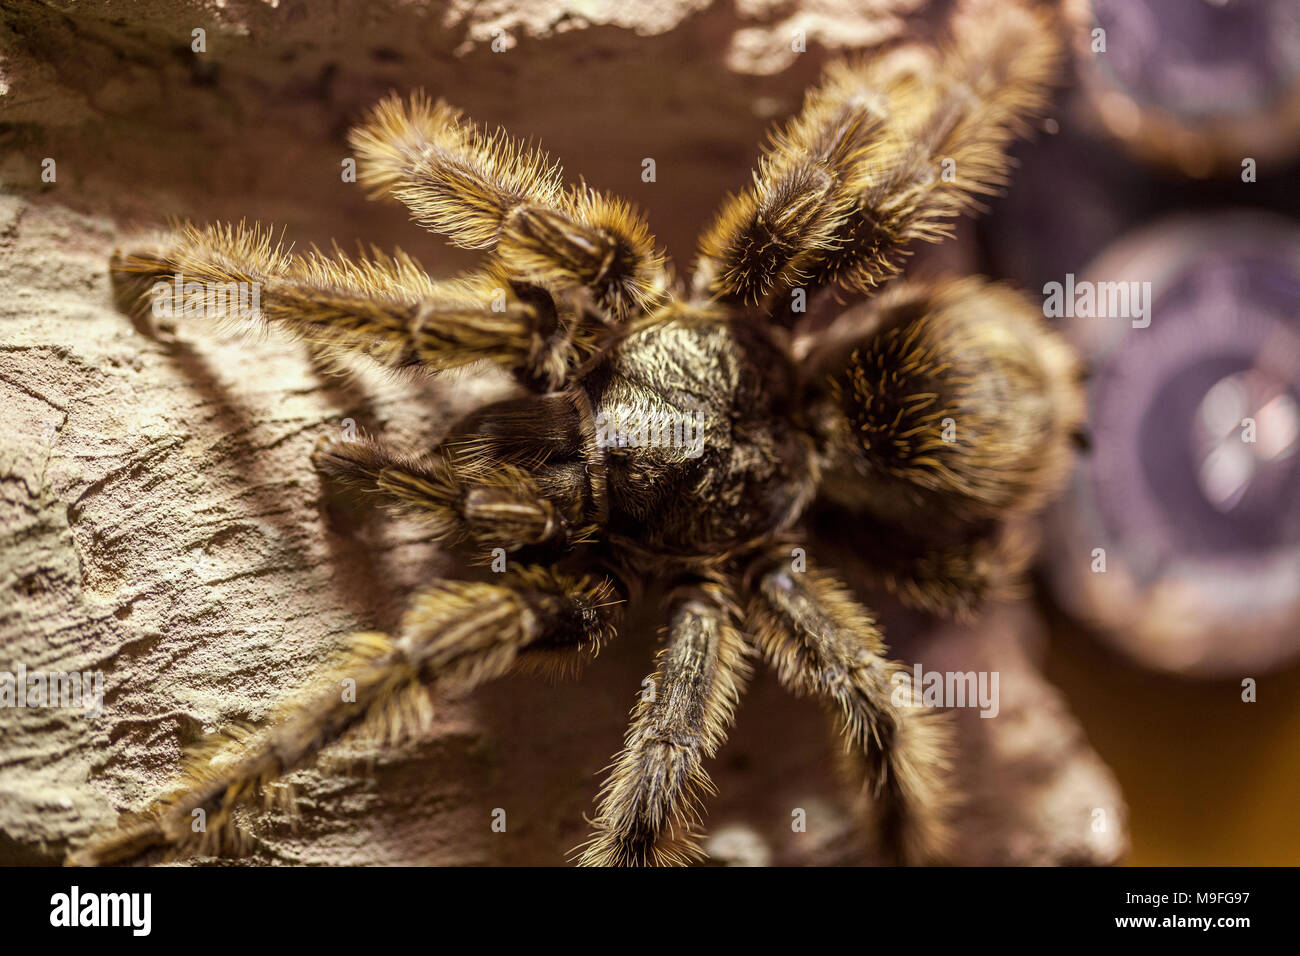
(680,433)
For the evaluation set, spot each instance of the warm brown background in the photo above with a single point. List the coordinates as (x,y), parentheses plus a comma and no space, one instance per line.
(1209,780)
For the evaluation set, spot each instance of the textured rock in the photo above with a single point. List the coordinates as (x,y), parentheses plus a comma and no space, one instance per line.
(158,519)
(1035,791)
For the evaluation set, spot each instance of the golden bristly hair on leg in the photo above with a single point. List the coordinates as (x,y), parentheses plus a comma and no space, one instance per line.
(885,152)
(487,191)
(384,307)
(500,507)
(650,806)
(455,636)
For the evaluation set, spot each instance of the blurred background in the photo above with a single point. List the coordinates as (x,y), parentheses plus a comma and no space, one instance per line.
(1176,164)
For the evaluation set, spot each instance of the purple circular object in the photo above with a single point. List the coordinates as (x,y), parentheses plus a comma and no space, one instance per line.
(1197,84)
(1181,535)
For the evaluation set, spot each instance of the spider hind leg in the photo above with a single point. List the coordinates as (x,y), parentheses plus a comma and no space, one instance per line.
(822,642)
(385,308)
(650,804)
(455,636)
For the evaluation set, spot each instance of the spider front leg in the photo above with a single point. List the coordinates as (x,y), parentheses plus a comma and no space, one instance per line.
(486,191)
(650,804)
(821,641)
(503,507)
(386,308)
(455,636)
(884,153)
(518,473)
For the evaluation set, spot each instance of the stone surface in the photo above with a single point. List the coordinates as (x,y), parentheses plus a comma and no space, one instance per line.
(158,518)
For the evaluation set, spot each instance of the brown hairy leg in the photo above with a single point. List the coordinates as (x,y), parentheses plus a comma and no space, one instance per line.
(517,474)
(650,804)
(885,152)
(386,308)
(486,191)
(493,507)
(820,641)
(454,636)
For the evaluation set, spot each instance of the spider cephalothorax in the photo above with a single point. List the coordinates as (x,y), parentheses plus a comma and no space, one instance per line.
(680,434)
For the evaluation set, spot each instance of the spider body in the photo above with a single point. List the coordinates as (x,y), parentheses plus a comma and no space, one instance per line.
(682,435)
(718,463)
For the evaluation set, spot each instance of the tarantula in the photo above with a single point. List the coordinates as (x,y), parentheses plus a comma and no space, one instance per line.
(935,418)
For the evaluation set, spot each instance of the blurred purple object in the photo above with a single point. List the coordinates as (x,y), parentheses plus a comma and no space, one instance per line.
(1198,84)
(1192,488)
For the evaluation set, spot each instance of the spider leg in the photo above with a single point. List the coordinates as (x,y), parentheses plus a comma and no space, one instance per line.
(503,506)
(455,636)
(518,474)
(820,641)
(650,804)
(384,307)
(486,191)
(884,152)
